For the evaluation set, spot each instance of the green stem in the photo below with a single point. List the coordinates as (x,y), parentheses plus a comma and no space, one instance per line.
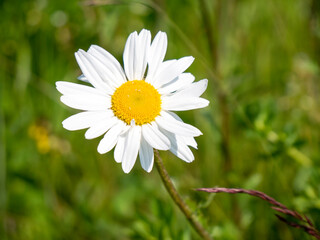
(178,200)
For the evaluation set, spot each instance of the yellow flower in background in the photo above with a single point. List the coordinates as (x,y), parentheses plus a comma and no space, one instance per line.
(46,141)
(133,106)
(41,137)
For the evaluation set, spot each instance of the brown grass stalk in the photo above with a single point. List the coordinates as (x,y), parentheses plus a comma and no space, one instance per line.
(302,221)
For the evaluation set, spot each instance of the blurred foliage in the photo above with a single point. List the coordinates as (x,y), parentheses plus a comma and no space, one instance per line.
(54,184)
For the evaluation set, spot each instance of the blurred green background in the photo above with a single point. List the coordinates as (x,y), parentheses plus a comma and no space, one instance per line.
(261,130)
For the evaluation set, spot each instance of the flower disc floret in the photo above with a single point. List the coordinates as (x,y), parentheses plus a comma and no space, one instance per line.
(136,100)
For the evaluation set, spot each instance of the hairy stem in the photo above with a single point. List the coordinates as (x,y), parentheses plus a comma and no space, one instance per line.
(178,200)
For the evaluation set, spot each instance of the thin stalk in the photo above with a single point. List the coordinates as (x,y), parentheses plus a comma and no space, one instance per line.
(314,18)
(3,187)
(302,221)
(178,200)
(222,96)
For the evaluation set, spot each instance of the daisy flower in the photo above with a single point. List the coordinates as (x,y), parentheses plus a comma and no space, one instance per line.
(132,107)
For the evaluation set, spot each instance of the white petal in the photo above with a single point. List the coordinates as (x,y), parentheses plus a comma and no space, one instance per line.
(169,123)
(135,54)
(193,90)
(176,103)
(84,119)
(142,47)
(146,155)
(156,54)
(68,88)
(187,140)
(165,64)
(83,78)
(178,147)
(118,151)
(87,102)
(175,116)
(128,55)
(162,67)
(172,71)
(100,127)
(90,71)
(183,80)
(154,137)
(132,145)
(110,138)
(182,151)
(125,129)
(105,73)
(110,62)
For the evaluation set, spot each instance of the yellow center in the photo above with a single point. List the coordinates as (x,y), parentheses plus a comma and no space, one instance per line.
(136,100)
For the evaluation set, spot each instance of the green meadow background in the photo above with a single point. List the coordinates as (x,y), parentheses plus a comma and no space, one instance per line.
(261,130)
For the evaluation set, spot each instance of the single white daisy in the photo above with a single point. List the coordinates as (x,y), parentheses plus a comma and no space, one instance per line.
(132,108)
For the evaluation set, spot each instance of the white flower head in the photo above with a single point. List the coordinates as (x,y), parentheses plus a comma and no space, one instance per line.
(132,107)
